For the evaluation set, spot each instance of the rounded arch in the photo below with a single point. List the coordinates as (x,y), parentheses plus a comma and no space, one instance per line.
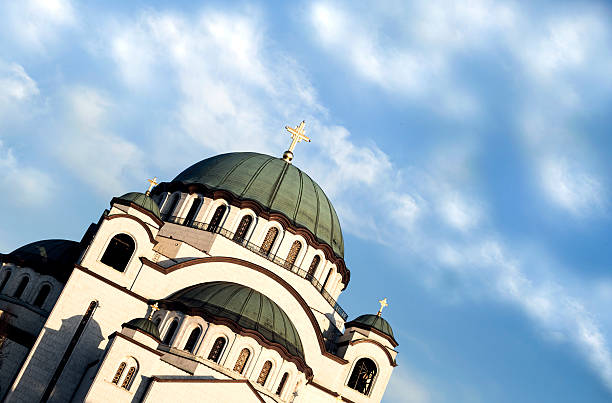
(243,360)
(44,290)
(244,225)
(171,329)
(5,278)
(311,326)
(192,206)
(215,208)
(271,238)
(171,203)
(218,346)
(192,341)
(126,373)
(378,344)
(24,281)
(363,374)
(119,251)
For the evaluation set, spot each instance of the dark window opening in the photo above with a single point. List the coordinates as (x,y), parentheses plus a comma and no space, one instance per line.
(5,279)
(172,205)
(216,219)
(127,382)
(21,287)
(281,385)
(243,228)
(118,373)
(313,267)
(119,252)
(195,206)
(42,295)
(363,376)
(217,349)
(170,332)
(192,340)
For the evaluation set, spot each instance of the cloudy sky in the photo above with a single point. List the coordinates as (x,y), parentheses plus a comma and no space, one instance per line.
(465,145)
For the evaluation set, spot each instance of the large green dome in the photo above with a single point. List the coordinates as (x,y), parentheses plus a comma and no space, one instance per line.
(55,257)
(244,307)
(275,184)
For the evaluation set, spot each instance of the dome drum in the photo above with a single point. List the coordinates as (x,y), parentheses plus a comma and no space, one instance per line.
(246,312)
(261,211)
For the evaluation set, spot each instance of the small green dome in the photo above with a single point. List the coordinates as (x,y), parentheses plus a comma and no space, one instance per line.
(145,325)
(243,306)
(55,257)
(275,184)
(372,321)
(142,200)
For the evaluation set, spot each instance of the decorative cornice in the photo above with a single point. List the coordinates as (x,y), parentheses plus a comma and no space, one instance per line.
(123,202)
(207,380)
(261,211)
(376,343)
(138,220)
(329,391)
(111,283)
(372,329)
(253,266)
(139,344)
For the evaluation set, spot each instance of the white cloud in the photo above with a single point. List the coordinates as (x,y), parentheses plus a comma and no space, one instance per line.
(404,387)
(17,89)
(36,23)
(23,184)
(86,147)
(570,187)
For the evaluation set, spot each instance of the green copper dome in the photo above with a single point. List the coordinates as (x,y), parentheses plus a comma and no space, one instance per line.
(144,325)
(372,321)
(55,257)
(142,200)
(244,307)
(275,184)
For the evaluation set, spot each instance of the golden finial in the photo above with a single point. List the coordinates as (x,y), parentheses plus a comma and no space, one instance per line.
(154,308)
(297,135)
(152,183)
(339,398)
(383,303)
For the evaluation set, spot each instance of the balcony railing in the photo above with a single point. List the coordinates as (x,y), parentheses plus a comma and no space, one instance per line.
(258,250)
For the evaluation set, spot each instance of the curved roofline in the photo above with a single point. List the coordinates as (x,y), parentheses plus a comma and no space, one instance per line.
(376,343)
(372,329)
(299,362)
(123,202)
(263,212)
(138,220)
(260,269)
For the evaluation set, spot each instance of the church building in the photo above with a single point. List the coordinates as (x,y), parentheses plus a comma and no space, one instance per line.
(220,285)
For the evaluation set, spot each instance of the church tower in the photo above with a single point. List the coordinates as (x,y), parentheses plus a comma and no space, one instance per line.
(220,285)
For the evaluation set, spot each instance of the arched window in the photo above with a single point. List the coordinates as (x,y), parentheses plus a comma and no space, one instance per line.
(313,267)
(193,210)
(192,340)
(216,219)
(363,376)
(266,246)
(242,360)
(327,277)
(217,349)
(293,254)
(172,204)
(118,252)
(170,332)
(243,228)
(119,373)
(43,293)
(282,383)
(265,371)
(127,382)
(5,279)
(21,287)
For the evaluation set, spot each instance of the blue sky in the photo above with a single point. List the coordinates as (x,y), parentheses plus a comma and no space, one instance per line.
(465,146)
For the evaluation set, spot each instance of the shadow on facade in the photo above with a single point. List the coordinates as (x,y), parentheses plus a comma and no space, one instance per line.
(61,369)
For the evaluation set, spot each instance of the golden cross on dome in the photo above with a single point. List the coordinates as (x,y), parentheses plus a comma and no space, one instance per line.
(297,135)
(154,308)
(383,304)
(152,183)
